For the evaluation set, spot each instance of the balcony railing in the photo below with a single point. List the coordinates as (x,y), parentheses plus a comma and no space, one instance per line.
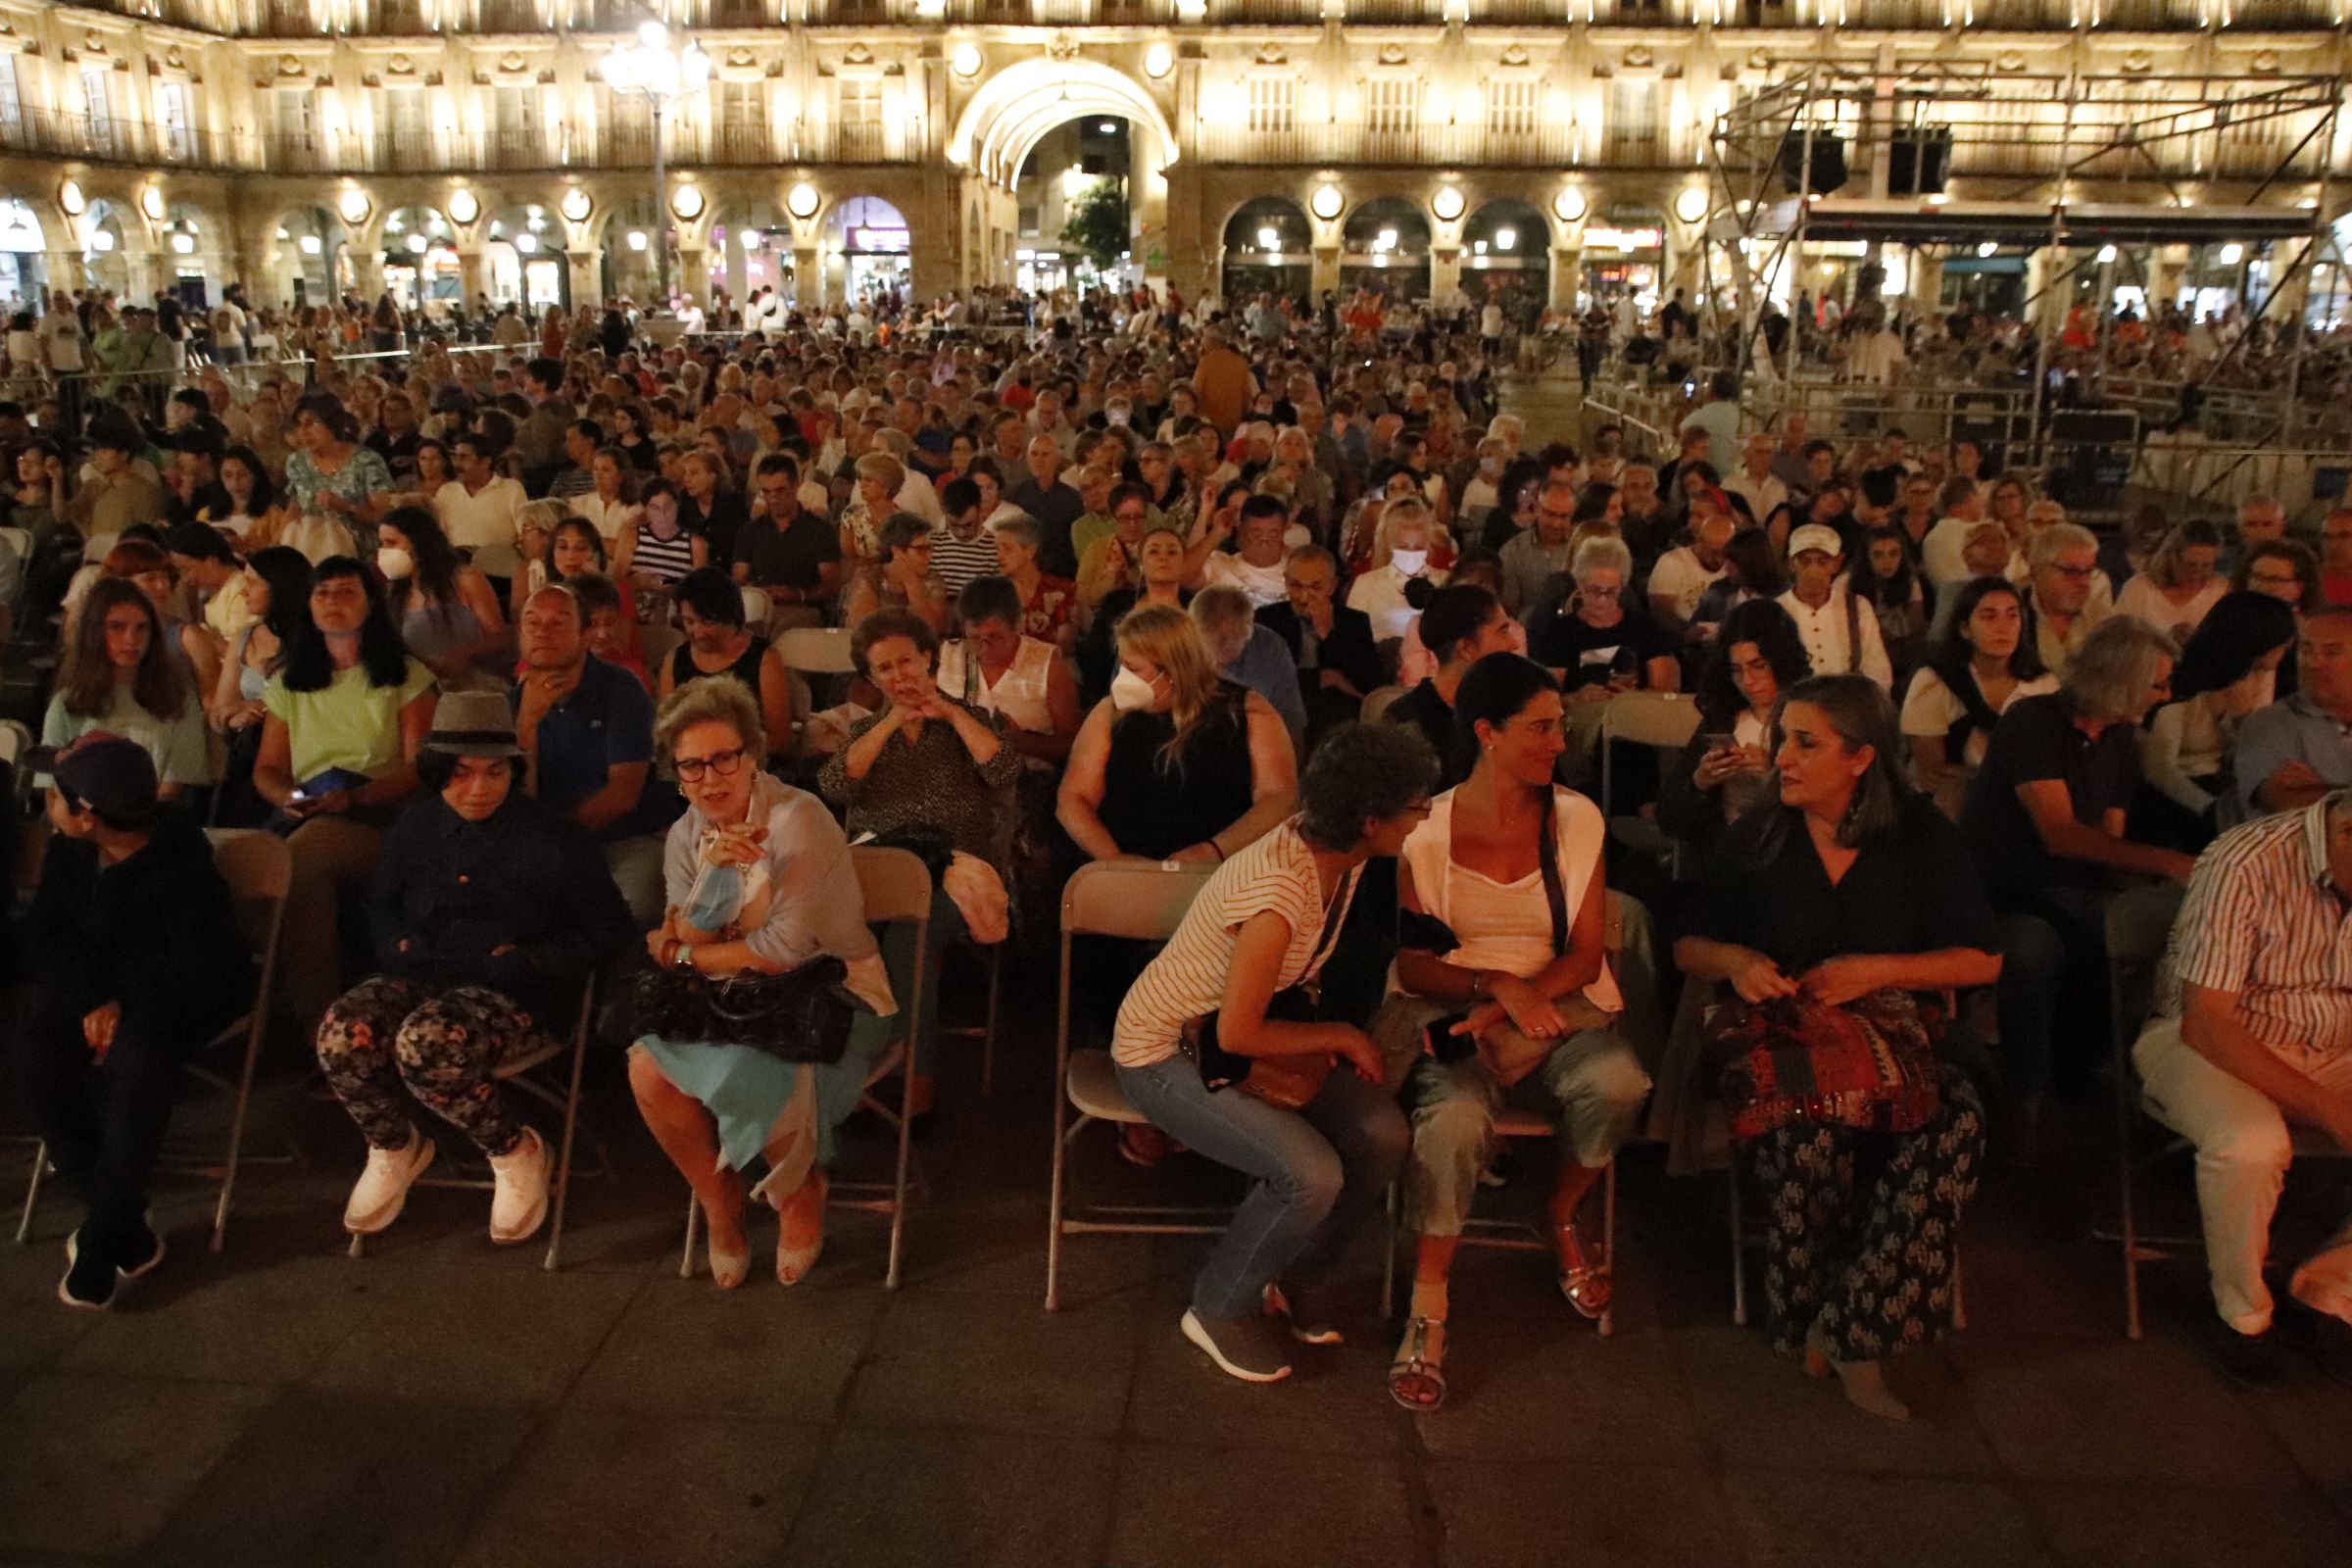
(121,141)
(1548,146)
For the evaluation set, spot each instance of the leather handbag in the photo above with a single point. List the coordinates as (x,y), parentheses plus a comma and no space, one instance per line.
(1870,1064)
(801,1015)
(1289,1081)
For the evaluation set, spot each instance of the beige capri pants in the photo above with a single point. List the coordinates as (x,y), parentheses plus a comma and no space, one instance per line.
(1592,1079)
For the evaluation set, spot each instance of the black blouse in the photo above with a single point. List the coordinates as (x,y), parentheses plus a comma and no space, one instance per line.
(1911,890)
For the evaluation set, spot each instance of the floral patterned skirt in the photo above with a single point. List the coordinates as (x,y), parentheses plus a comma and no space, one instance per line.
(1863,1227)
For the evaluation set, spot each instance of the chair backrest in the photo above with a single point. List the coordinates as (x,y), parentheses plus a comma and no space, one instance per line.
(755,609)
(818,649)
(1653,718)
(1144,902)
(2139,925)
(1378,701)
(258,868)
(895,884)
(658,642)
(15,741)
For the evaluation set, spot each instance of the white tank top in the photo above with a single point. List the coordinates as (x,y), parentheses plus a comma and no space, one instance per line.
(1511,921)
(1019,694)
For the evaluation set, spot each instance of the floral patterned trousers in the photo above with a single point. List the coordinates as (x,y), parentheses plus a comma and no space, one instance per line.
(1863,1227)
(442,1046)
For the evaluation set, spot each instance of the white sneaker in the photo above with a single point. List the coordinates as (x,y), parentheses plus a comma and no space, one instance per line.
(383,1187)
(519,1205)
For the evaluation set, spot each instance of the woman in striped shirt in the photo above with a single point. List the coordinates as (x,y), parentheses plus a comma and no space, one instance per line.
(661,551)
(1266,922)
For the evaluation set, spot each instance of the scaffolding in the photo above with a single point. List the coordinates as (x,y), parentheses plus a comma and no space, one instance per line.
(2067,163)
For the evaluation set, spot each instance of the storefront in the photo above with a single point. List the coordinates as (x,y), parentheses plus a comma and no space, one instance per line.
(523,264)
(1624,254)
(750,249)
(1269,249)
(867,238)
(1385,247)
(1507,258)
(422,271)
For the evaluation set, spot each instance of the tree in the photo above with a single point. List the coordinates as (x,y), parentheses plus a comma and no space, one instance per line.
(1095,222)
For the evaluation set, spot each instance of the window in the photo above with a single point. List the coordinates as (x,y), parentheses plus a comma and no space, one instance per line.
(1511,106)
(172,118)
(12,107)
(519,122)
(93,92)
(743,118)
(1393,105)
(296,124)
(1273,103)
(1633,121)
(860,116)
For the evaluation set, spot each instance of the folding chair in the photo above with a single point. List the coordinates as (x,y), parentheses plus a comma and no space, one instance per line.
(561,1095)
(895,885)
(2139,924)
(258,868)
(1663,719)
(1143,903)
(816,649)
(1378,702)
(1518,1234)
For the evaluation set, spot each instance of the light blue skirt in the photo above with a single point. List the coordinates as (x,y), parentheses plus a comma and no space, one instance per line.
(746,1090)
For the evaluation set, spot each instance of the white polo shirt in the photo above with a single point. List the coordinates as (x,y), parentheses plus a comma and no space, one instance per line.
(472,522)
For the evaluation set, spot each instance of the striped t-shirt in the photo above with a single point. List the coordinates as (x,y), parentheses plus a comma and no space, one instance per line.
(1187,981)
(958,561)
(667,559)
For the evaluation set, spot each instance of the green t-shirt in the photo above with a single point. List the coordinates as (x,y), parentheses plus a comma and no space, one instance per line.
(177,745)
(349,723)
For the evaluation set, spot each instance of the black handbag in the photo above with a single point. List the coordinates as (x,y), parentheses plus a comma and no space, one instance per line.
(801,1015)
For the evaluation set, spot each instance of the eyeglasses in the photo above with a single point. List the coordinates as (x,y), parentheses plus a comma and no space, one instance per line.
(723,764)
(2075,573)
(2275,579)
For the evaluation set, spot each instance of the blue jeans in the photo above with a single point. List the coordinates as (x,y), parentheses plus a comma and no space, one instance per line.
(1317,1173)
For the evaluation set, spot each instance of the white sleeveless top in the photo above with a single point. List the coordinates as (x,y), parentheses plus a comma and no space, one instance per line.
(1019,694)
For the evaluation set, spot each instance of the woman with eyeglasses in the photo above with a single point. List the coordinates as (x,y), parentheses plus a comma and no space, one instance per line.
(759,882)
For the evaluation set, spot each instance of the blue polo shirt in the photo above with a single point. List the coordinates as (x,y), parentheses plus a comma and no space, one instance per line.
(607,719)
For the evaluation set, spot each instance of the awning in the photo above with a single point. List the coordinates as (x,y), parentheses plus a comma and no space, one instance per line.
(1908,220)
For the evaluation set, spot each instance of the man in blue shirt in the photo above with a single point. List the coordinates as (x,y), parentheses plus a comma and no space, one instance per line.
(1251,655)
(2293,752)
(587,729)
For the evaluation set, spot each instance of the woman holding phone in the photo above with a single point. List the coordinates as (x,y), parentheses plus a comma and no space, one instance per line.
(1755,662)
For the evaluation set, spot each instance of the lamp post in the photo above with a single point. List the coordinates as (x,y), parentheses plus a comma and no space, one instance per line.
(662,70)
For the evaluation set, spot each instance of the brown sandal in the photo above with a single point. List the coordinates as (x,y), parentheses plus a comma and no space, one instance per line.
(1587,1285)
(1417,1377)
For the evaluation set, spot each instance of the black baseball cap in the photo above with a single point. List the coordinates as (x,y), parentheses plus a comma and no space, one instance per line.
(112,775)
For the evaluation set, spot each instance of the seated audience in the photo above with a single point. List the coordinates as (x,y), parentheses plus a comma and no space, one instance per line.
(1249,655)
(1160,573)
(718,642)
(1330,645)
(2179,585)
(661,550)
(1265,924)
(1396,587)
(2252,1040)
(1110,563)
(792,897)
(1817,897)
(1048,604)
(1721,773)
(1255,564)
(2045,819)
(1594,642)
(900,576)
(2228,672)
(2293,752)
(136,960)
(1753,568)
(1885,581)
(1841,630)
(995,668)
(449,615)
(1461,626)
(1979,667)
(1679,582)
(2283,570)
(346,714)
(2062,565)
(1519,993)
(117,676)
(489,914)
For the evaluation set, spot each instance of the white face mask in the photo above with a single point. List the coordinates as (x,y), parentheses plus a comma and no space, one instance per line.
(1411,562)
(395,564)
(1130,693)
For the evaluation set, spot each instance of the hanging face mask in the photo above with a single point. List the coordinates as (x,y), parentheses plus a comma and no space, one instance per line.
(1130,693)
(395,564)
(1411,562)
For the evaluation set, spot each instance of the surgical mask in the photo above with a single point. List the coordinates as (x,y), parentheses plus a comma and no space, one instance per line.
(1115,417)
(1130,693)
(1411,562)
(395,564)
(1489,467)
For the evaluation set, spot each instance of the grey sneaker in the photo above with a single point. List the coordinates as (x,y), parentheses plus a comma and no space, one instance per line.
(1242,1346)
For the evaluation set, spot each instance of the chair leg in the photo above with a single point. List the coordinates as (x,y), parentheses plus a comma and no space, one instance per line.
(988,1039)
(32,1190)
(2126,1219)
(898,1199)
(1738,1247)
(1608,1244)
(571,1119)
(686,1257)
(236,1128)
(1388,1258)
(1959,1293)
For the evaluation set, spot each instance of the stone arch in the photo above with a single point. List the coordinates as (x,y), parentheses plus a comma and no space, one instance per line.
(1012,111)
(24,230)
(1253,265)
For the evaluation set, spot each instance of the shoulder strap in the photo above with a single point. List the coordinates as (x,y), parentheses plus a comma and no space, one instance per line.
(1548,860)
(1853,630)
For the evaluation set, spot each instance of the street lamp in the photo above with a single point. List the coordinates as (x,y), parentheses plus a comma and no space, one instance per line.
(663,71)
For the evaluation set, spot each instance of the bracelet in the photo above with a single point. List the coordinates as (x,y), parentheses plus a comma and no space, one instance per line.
(670,953)
(1215,849)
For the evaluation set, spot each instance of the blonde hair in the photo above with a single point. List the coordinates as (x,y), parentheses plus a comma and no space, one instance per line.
(883,469)
(710,700)
(1170,641)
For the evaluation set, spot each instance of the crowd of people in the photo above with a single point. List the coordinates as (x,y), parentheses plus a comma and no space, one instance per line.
(498,643)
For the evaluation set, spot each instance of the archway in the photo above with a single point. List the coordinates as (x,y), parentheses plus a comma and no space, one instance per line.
(1269,249)
(420,259)
(523,257)
(1078,182)
(24,266)
(1384,246)
(1624,257)
(750,247)
(310,256)
(631,230)
(1507,258)
(1015,109)
(191,242)
(105,229)
(868,239)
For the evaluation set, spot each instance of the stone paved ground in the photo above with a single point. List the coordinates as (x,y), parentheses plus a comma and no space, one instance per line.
(440,1402)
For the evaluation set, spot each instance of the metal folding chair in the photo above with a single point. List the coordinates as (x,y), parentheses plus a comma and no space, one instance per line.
(816,649)
(258,868)
(560,1094)
(895,885)
(1665,720)
(1143,903)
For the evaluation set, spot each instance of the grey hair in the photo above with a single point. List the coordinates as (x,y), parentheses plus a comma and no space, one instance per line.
(1021,528)
(1602,554)
(2056,537)
(2109,676)
(1225,616)
(710,700)
(882,467)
